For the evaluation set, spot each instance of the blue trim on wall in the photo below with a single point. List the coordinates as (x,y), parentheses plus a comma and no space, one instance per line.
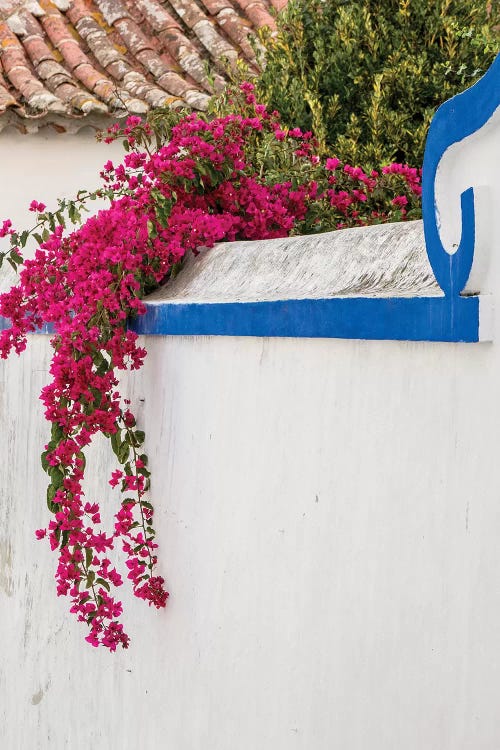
(46,328)
(402,319)
(456,119)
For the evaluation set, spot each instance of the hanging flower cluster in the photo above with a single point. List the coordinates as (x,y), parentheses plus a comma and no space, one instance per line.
(224,177)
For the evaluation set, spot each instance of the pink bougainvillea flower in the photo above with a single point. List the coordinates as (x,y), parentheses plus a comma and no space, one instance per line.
(332,163)
(37,207)
(202,186)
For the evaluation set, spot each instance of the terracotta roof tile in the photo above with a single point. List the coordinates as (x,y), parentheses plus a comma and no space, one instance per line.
(6,99)
(73,62)
(258,12)
(279,4)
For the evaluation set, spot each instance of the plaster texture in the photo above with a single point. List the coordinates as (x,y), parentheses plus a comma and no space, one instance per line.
(328,521)
(387,260)
(48,165)
(45,166)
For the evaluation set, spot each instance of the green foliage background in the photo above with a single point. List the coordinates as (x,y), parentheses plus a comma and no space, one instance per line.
(366,76)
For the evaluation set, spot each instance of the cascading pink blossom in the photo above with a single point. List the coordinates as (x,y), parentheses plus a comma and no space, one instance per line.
(195,191)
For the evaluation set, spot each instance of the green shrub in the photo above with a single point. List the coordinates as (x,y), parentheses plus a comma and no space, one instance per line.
(367,75)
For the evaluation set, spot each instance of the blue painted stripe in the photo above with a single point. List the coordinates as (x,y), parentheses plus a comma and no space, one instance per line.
(400,319)
(46,328)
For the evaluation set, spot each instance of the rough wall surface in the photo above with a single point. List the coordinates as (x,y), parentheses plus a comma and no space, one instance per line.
(46,166)
(387,260)
(332,555)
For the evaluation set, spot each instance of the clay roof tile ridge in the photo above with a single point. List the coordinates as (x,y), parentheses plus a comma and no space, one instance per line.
(67,59)
(112,10)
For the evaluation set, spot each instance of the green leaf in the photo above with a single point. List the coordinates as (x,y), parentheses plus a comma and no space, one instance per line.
(16,257)
(73,212)
(24,237)
(56,477)
(103,583)
(51,493)
(56,432)
(102,369)
(139,436)
(89,555)
(60,218)
(90,579)
(123,452)
(45,463)
(115,440)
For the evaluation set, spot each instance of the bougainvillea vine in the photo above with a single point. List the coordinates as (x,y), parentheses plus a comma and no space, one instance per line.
(186,182)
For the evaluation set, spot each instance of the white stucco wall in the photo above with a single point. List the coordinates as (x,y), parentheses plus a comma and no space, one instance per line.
(329,520)
(328,514)
(48,165)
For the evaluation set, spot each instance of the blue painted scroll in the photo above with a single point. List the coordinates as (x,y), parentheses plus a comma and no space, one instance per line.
(455,120)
